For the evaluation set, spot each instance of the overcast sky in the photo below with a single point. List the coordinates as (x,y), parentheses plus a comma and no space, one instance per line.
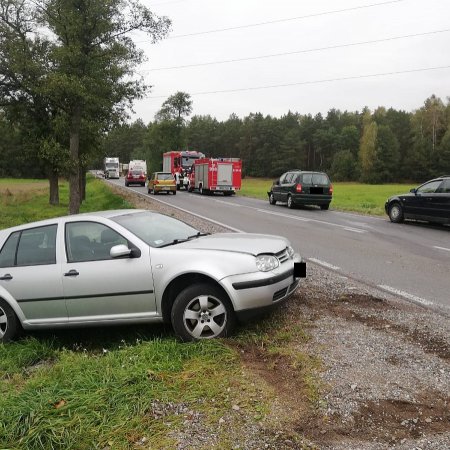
(315,25)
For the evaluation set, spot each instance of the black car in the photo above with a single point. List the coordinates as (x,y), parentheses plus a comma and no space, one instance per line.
(298,187)
(429,202)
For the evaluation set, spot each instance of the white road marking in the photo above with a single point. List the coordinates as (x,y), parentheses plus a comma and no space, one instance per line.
(324,264)
(441,248)
(302,219)
(404,294)
(228,203)
(354,230)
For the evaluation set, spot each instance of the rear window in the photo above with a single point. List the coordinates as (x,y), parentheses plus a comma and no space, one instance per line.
(164,176)
(315,178)
(137,172)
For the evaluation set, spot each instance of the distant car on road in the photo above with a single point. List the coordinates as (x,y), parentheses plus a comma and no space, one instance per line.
(136,266)
(162,182)
(135,177)
(429,202)
(298,187)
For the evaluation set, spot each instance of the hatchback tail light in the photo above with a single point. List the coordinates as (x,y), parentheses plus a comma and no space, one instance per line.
(298,188)
(331,189)
(156,182)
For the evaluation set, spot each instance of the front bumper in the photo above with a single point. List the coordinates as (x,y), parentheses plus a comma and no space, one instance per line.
(256,292)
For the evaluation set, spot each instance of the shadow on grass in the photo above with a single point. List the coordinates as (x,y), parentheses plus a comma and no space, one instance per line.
(98,339)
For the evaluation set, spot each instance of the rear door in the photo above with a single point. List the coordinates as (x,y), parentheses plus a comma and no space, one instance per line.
(98,287)
(287,186)
(31,273)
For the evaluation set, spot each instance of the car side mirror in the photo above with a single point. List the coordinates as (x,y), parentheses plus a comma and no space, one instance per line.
(119,251)
(413,191)
(277,183)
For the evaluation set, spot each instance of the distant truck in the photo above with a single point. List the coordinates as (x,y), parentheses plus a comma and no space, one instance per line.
(138,164)
(111,167)
(211,175)
(179,164)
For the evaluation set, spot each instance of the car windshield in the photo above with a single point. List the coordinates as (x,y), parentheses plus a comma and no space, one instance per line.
(155,229)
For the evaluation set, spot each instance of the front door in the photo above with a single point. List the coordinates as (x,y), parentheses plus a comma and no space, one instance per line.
(98,287)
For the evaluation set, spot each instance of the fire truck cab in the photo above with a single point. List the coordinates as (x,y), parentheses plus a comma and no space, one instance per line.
(180,163)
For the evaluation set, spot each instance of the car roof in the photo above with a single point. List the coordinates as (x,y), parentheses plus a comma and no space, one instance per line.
(89,215)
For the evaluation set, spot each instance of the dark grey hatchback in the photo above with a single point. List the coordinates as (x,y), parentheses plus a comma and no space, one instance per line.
(298,187)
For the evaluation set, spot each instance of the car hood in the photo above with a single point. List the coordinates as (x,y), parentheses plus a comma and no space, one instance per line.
(249,243)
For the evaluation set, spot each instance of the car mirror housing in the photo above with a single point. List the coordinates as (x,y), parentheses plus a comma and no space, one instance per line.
(413,190)
(119,251)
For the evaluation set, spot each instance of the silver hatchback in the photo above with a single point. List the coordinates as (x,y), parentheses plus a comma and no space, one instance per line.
(135,266)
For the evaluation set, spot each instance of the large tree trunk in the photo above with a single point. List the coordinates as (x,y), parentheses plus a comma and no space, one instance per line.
(54,187)
(74,178)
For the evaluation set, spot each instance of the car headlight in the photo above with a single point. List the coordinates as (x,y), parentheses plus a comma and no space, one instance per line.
(290,251)
(264,263)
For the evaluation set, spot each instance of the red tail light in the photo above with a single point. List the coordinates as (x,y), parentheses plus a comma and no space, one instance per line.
(298,188)
(156,182)
(331,189)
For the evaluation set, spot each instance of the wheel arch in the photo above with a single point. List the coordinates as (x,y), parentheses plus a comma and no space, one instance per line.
(6,297)
(181,282)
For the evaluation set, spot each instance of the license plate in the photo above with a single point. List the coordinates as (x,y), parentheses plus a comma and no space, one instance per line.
(300,269)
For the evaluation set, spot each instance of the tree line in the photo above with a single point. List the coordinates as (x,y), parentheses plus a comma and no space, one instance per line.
(380,146)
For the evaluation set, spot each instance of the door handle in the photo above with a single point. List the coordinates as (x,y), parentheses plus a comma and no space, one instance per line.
(6,277)
(71,273)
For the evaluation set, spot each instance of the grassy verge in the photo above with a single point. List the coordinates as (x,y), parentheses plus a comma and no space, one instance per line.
(357,197)
(23,201)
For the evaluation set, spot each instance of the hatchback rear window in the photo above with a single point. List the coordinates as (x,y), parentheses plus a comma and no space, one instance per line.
(137,172)
(315,178)
(164,176)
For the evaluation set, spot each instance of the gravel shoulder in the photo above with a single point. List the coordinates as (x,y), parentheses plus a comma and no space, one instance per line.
(367,371)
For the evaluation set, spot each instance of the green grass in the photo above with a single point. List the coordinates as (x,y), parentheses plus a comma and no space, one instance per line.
(356,197)
(19,205)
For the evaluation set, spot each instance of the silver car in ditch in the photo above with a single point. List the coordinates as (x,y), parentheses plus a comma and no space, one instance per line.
(136,266)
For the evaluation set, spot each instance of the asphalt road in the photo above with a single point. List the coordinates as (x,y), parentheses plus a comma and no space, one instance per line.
(410,260)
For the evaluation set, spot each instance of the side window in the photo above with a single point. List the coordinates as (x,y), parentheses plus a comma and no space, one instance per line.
(37,246)
(429,188)
(90,241)
(444,188)
(283,178)
(8,252)
(288,178)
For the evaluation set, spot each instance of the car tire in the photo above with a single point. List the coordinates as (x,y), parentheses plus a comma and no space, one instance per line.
(202,192)
(9,323)
(272,200)
(153,191)
(126,184)
(174,192)
(396,213)
(290,202)
(202,311)
(149,191)
(325,207)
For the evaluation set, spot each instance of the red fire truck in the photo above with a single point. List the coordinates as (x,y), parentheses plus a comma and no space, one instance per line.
(211,175)
(180,165)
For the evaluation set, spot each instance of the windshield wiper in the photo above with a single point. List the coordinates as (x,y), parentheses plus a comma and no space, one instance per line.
(179,241)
